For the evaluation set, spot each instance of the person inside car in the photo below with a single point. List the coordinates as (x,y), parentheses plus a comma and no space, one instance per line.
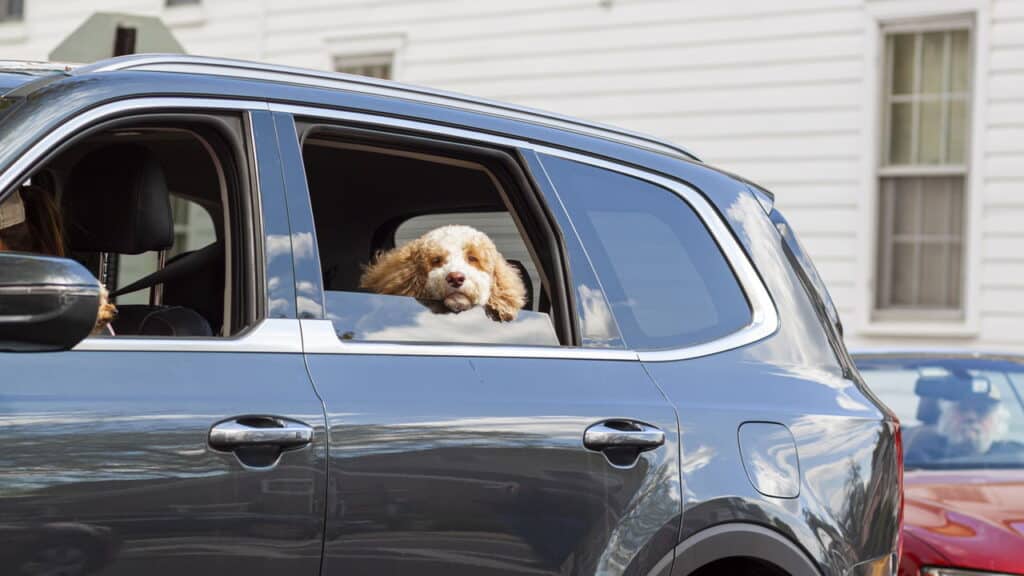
(973,424)
(31,222)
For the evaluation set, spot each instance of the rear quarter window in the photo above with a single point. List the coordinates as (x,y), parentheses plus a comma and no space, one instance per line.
(668,282)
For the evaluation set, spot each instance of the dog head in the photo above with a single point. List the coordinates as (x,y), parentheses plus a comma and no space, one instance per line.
(456,265)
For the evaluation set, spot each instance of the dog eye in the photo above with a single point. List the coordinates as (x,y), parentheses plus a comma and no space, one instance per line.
(472,259)
(436,261)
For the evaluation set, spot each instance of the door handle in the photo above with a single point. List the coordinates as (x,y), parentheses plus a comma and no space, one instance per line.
(623,434)
(260,431)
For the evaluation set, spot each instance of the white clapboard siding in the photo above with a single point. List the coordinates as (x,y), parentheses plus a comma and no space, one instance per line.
(775,91)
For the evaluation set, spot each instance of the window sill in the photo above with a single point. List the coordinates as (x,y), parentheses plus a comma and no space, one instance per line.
(184,16)
(13,31)
(919,328)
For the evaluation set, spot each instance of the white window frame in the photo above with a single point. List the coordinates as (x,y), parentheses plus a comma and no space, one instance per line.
(921,15)
(365,61)
(370,46)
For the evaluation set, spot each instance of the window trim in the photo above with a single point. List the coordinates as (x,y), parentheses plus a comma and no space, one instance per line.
(879,20)
(319,336)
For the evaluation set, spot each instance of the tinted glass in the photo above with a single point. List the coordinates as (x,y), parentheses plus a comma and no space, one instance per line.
(668,283)
(956,413)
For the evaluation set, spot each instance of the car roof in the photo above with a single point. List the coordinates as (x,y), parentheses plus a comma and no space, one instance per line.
(244,69)
(15,73)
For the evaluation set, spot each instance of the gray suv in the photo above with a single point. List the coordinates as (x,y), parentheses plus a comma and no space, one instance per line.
(673,398)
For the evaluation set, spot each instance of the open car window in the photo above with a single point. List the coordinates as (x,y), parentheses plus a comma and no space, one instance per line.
(376,202)
(154,208)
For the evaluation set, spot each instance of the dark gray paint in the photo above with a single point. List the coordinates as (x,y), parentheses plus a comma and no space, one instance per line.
(106,467)
(105,458)
(770,459)
(480,467)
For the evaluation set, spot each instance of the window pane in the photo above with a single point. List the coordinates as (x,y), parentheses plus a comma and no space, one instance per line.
(901,130)
(929,135)
(386,318)
(955,274)
(959,63)
(902,274)
(932,65)
(666,279)
(942,205)
(905,204)
(935,276)
(956,128)
(372,65)
(923,265)
(902,63)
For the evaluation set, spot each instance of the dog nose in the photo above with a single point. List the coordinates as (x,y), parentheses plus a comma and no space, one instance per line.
(455,279)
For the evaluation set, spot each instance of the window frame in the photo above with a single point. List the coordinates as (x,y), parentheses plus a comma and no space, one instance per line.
(880,19)
(262,334)
(554,271)
(352,63)
(883,309)
(318,334)
(9,15)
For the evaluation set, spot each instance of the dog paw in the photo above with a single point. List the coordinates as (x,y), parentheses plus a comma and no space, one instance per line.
(106,314)
(502,313)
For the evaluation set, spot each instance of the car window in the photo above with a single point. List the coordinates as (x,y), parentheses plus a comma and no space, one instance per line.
(423,247)
(129,193)
(666,279)
(955,413)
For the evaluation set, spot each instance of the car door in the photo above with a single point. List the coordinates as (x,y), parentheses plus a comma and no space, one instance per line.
(136,455)
(473,459)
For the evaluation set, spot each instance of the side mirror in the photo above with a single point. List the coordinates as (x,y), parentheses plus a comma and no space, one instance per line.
(46,303)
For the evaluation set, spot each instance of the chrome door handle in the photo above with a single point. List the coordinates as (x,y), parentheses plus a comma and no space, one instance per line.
(623,433)
(260,431)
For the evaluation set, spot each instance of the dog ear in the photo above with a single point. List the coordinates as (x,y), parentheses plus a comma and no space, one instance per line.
(508,293)
(396,272)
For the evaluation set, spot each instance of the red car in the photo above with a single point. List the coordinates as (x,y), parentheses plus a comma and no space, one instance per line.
(963,438)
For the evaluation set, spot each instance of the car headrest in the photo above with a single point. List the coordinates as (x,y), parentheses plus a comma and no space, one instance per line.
(118,202)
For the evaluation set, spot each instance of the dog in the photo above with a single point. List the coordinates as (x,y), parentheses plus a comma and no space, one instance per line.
(457,265)
(105,315)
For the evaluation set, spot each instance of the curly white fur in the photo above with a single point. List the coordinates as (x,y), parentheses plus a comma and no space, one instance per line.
(457,265)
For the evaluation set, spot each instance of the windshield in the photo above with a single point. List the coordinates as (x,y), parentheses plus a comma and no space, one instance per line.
(956,413)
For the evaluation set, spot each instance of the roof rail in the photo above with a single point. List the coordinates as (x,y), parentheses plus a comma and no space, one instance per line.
(289,74)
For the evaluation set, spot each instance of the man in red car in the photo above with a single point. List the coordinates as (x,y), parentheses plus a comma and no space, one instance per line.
(972,424)
(963,422)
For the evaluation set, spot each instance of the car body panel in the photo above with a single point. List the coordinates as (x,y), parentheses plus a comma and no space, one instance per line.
(974,519)
(844,438)
(107,466)
(106,459)
(481,468)
(426,450)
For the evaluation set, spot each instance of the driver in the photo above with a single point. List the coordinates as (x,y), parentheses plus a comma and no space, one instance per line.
(30,222)
(971,425)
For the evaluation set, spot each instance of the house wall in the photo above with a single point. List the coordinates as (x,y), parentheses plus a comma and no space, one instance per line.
(783,92)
